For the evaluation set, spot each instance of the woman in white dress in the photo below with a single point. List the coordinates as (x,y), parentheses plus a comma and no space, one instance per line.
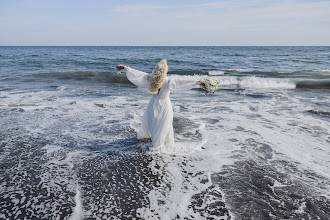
(157,122)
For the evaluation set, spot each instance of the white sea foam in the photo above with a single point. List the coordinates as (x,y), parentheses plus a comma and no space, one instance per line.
(239,123)
(182,147)
(60,88)
(251,82)
(78,212)
(216,152)
(216,73)
(325,71)
(239,70)
(301,208)
(266,83)
(225,122)
(51,148)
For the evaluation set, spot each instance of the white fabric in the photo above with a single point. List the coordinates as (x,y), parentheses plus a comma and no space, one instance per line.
(157,122)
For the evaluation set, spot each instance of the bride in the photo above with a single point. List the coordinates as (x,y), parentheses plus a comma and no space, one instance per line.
(157,122)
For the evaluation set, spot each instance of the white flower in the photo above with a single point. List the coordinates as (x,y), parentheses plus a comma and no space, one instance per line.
(211,85)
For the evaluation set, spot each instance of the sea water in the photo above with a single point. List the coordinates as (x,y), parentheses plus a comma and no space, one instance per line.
(259,148)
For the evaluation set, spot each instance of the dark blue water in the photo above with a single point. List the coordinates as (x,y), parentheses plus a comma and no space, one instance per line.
(309,67)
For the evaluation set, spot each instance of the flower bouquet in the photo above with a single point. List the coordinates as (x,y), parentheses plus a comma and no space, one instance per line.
(210,85)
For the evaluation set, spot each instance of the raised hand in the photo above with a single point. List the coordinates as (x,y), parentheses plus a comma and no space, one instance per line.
(120,67)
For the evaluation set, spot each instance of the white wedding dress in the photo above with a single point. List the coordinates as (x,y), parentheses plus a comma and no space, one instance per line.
(157,122)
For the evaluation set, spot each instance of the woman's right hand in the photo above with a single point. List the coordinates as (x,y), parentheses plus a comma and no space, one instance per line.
(120,67)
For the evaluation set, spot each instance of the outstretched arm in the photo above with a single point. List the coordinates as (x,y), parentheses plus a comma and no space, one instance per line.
(184,84)
(137,77)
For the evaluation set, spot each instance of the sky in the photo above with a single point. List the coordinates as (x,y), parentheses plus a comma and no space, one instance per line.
(164,23)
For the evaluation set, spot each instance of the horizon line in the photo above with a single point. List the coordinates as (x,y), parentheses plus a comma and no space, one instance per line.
(164,45)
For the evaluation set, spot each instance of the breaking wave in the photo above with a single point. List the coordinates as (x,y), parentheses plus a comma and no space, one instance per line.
(105,77)
(226,80)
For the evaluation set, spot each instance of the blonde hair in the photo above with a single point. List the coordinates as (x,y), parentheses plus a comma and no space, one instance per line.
(158,77)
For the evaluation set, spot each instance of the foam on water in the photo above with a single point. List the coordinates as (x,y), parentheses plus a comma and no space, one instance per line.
(263,135)
(266,83)
(257,146)
(216,73)
(257,149)
(51,148)
(239,70)
(325,71)
(78,212)
(250,82)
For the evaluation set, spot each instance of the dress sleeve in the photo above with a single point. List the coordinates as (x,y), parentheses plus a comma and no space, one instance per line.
(182,84)
(137,77)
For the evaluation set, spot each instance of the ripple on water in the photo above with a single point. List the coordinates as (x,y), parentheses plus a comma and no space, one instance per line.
(267,191)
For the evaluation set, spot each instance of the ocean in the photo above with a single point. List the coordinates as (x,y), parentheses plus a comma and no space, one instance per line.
(259,148)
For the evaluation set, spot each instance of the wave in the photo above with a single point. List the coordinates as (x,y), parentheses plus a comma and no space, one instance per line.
(319,112)
(226,81)
(325,71)
(238,70)
(311,74)
(314,84)
(189,72)
(107,77)
(255,82)
(308,74)
(266,83)
(275,83)
(250,82)
(216,73)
